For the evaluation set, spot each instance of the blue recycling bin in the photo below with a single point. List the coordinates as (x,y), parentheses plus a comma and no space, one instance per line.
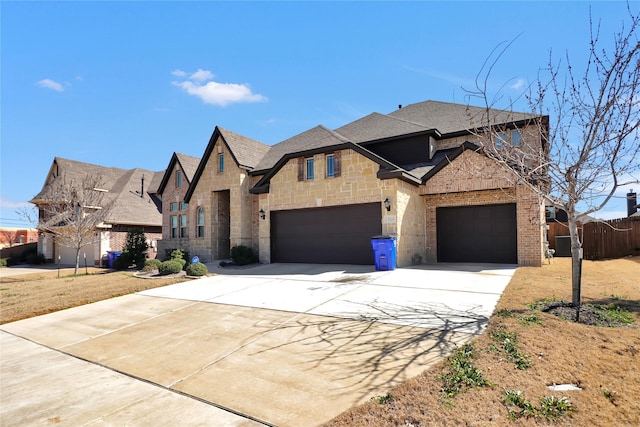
(111,256)
(384,252)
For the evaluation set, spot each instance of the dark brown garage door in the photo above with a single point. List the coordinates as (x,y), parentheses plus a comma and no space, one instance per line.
(332,235)
(477,234)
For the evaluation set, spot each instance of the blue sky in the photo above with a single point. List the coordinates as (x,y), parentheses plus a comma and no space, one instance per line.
(126,84)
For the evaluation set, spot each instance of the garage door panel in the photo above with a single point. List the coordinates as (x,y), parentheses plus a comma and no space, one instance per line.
(485,233)
(331,235)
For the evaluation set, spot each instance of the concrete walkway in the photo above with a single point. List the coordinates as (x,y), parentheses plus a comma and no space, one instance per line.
(286,345)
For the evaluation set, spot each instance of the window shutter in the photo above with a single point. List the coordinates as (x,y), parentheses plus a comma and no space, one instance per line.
(336,164)
(300,169)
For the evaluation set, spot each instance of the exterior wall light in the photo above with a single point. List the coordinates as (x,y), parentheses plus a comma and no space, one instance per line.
(262,214)
(387,204)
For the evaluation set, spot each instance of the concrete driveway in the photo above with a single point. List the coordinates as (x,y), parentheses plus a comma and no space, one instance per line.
(279,344)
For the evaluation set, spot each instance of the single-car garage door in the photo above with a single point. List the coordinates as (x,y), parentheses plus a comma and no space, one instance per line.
(485,233)
(330,235)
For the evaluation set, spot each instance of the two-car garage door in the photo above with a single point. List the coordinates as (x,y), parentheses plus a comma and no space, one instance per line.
(328,235)
(485,233)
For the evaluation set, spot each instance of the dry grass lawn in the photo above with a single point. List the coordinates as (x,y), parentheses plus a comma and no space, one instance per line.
(40,293)
(603,361)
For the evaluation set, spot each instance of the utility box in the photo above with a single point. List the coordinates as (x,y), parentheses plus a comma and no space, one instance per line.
(563,246)
(384,252)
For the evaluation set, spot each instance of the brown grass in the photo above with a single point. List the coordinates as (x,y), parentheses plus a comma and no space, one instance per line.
(605,362)
(40,293)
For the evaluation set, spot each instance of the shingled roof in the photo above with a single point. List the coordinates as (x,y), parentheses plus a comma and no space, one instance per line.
(124,189)
(188,165)
(448,118)
(376,126)
(246,152)
(314,138)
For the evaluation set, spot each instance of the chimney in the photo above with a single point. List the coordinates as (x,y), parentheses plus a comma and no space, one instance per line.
(399,106)
(142,187)
(632,203)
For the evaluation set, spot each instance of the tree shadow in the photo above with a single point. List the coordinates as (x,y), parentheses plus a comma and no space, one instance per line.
(360,353)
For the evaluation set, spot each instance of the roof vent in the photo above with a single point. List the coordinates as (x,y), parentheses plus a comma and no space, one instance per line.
(399,106)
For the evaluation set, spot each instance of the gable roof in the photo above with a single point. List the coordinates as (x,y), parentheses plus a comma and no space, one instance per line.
(314,138)
(188,165)
(448,118)
(123,186)
(246,153)
(376,126)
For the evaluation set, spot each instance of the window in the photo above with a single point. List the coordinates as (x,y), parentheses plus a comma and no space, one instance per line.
(178,179)
(200,223)
(501,140)
(331,166)
(173,207)
(516,138)
(174,227)
(220,163)
(511,139)
(183,206)
(183,226)
(309,169)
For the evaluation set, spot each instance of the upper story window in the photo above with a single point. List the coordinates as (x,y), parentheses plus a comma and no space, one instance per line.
(220,163)
(173,207)
(331,165)
(309,169)
(511,138)
(183,206)
(178,179)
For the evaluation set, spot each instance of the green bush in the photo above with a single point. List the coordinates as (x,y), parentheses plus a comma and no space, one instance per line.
(176,253)
(243,255)
(183,262)
(170,267)
(35,259)
(122,262)
(136,245)
(153,262)
(197,269)
(3,262)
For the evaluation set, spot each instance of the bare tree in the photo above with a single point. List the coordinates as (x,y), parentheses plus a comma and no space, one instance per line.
(10,236)
(590,146)
(73,210)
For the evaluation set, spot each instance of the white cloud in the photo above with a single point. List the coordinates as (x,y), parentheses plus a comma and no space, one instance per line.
(201,85)
(50,84)
(519,84)
(11,204)
(201,75)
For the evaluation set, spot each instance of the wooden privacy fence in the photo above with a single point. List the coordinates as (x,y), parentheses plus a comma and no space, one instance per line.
(614,238)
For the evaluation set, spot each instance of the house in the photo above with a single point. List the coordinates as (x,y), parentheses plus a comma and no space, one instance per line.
(416,174)
(132,200)
(11,236)
(172,190)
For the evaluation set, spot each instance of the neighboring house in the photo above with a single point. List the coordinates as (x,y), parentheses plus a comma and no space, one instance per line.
(177,220)
(11,236)
(415,174)
(133,204)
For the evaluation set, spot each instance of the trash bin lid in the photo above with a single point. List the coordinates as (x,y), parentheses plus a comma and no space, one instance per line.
(382,236)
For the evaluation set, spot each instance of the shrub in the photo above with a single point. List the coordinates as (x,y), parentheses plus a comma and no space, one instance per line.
(170,254)
(169,267)
(183,262)
(136,245)
(3,262)
(153,262)
(122,261)
(243,255)
(35,259)
(197,269)
(24,256)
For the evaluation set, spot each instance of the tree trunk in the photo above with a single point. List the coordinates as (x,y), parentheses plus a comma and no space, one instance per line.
(576,263)
(75,272)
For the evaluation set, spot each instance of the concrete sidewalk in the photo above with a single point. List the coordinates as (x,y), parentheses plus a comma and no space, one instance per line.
(288,345)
